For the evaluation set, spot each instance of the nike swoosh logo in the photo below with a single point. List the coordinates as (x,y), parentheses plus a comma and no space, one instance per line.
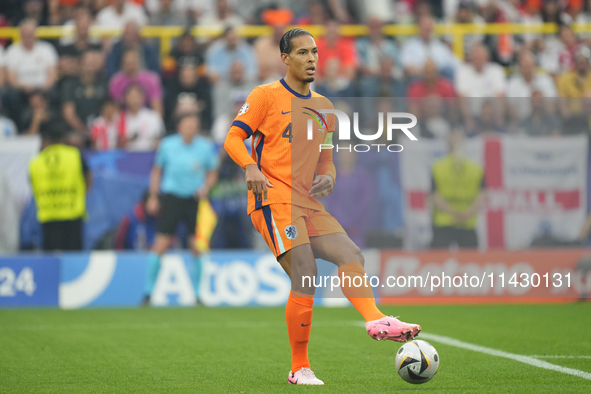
(306,325)
(386,324)
(285,113)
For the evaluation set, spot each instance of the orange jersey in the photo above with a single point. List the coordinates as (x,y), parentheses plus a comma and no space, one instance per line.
(276,117)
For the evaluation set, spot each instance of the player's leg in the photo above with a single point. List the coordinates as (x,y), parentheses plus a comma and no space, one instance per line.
(329,242)
(295,256)
(299,263)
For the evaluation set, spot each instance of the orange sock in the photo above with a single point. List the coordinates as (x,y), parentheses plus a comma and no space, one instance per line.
(361,297)
(298,314)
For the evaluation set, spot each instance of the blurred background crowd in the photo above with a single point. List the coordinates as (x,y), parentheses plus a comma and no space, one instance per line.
(82,81)
(125,93)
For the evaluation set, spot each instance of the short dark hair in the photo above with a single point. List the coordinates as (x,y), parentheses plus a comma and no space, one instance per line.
(285,42)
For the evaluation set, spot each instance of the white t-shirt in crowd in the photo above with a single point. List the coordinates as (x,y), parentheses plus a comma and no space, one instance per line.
(108,17)
(143,130)
(518,88)
(153,6)
(488,83)
(31,67)
(2,56)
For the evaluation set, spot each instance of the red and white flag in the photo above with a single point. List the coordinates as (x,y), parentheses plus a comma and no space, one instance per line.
(535,187)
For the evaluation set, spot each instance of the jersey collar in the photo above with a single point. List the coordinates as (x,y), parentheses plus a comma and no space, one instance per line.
(286,86)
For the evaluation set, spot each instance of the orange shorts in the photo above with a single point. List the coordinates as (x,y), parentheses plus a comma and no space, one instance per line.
(285,226)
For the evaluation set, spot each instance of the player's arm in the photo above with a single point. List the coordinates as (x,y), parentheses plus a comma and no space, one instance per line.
(248,119)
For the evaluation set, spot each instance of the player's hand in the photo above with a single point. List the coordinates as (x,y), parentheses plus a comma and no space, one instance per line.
(257,182)
(153,205)
(202,193)
(322,186)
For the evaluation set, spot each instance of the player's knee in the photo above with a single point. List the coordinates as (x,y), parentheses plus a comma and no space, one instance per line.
(358,256)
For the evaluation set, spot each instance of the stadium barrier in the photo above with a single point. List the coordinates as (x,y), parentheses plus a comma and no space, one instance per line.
(250,278)
(167,33)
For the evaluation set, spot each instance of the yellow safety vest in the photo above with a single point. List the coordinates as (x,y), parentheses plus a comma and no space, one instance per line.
(459,184)
(58,183)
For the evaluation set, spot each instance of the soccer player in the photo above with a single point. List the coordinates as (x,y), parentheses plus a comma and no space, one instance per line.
(287,174)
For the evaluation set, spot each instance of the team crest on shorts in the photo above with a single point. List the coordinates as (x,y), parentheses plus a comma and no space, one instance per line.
(291,232)
(244,109)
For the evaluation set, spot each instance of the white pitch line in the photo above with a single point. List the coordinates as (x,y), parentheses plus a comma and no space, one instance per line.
(499,353)
(557,356)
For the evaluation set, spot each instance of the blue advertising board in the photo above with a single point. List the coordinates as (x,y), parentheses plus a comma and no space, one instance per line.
(29,281)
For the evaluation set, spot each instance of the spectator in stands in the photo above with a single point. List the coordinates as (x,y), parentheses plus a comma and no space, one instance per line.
(184,172)
(60,214)
(416,50)
(574,84)
(7,126)
(71,52)
(189,83)
(271,67)
(542,119)
(479,77)
(132,74)
(434,121)
(457,196)
(466,15)
(73,46)
(167,15)
(524,83)
(238,84)
(430,85)
(372,50)
(331,46)
(566,55)
(83,96)
(148,56)
(35,114)
(35,10)
(225,52)
(223,15)
(335,84)
(141,127)
(223,121)
(315,15)
(106,130)
(187,52)
(121,13)
(31,65)
(487,123)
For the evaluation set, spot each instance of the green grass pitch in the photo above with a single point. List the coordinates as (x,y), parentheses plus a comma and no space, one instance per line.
(246,350)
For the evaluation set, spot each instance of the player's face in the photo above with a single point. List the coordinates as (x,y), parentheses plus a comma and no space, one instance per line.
(302,60)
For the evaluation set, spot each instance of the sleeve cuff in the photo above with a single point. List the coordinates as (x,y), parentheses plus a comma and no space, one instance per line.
(243,126)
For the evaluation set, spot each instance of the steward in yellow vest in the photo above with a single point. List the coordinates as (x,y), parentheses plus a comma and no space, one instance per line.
(458,194)
(58,179)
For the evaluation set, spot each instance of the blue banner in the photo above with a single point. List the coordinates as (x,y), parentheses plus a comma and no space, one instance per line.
(114,279)
(29,281)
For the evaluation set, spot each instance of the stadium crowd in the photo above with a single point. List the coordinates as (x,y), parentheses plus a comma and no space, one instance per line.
(122,93)
(84,82)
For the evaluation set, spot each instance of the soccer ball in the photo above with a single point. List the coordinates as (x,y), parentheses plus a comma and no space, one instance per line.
(417,362)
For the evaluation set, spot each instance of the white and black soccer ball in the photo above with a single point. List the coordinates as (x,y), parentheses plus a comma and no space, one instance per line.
(417,362)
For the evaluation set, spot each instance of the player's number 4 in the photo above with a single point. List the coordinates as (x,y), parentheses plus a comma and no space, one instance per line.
(287,133)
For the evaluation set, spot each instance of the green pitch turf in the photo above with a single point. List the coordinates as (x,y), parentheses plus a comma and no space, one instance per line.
(246,350)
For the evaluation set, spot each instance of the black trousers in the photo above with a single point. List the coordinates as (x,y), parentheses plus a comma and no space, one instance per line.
(62,235)
(444,237)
